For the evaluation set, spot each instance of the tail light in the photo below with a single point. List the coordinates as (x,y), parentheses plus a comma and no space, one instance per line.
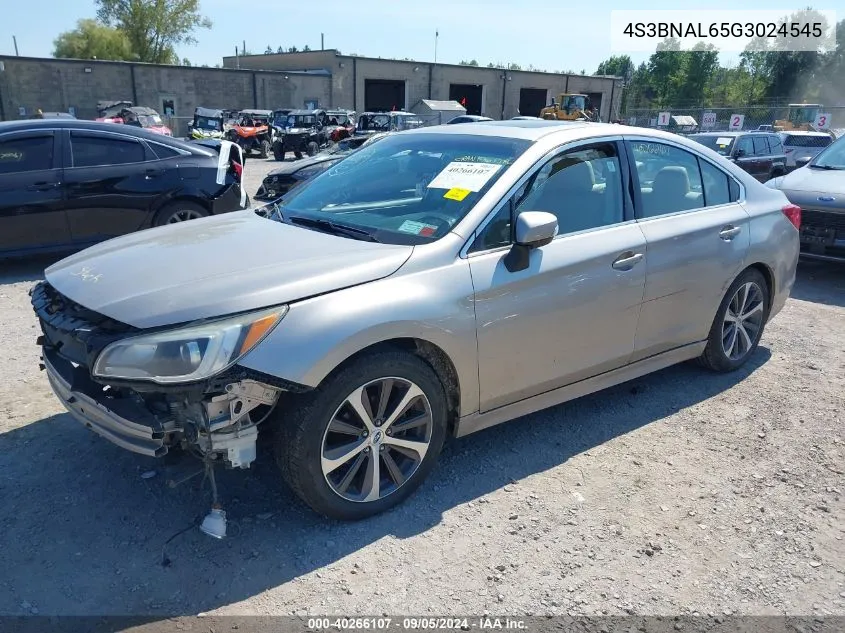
(238,170)
(793,214)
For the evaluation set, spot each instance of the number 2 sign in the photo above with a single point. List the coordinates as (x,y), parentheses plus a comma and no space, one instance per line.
(822,121)
(736,121)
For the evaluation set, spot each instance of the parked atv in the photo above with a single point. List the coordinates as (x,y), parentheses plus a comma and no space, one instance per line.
(304,133)
(207,123)
(109,111)
(253,132)
(341,124)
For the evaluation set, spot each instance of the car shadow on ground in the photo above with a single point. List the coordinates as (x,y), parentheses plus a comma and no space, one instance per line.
(30,269)
(94,520)
(820,282)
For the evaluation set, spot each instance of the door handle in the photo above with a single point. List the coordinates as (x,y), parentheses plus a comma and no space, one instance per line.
(626,261)
(43,186)
(153,173)
(729,232)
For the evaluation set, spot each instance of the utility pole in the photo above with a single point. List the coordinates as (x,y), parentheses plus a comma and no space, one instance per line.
(237,58)
(436,36)
(322,41)
(15,40)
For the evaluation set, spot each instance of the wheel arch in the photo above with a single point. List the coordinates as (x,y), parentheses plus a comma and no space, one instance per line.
(768,275)
(432,354)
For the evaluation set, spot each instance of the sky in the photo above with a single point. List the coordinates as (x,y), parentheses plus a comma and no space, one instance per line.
(570,35)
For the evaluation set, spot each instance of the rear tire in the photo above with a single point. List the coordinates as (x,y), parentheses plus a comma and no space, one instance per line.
(738,324)
(278,152)
(329,454)
(312,148)
(179,211)
(297,154)
(264,148)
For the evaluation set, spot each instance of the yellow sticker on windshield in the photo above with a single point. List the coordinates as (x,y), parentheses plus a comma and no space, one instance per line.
(457,194)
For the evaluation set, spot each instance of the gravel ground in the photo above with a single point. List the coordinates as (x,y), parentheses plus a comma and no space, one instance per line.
(680,492)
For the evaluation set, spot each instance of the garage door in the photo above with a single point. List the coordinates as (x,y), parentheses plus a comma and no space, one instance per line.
(384,95)
(595,100)
(468,95)
(531,101)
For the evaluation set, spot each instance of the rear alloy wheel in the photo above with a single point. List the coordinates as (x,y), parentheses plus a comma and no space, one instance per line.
(179,212)
(363,442)
(739,323)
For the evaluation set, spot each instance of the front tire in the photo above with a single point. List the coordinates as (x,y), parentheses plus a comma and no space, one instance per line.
(366,438)
(264,148)
(278,152)
(739,322)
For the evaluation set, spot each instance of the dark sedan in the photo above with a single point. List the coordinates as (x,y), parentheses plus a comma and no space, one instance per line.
(818,188)
(68,184)
(281,180)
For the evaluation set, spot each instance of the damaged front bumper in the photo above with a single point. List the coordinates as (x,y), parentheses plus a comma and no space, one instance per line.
(216,419)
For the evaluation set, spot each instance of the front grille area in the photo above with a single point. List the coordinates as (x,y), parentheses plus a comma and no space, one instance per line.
(74,331)
(823,219)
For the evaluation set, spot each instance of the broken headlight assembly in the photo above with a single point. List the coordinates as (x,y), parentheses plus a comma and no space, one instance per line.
(188,354)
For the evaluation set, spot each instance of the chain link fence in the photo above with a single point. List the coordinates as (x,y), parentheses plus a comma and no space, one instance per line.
(703,119)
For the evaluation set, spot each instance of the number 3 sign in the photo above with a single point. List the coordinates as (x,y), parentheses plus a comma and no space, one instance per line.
(822,121)
(736,121)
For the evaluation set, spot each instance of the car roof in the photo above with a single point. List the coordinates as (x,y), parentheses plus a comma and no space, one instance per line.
(256,111)
(528,130)
(303,112)
(804,133)
(96,126)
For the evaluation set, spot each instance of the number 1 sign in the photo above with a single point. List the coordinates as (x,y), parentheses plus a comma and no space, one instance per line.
(663,118)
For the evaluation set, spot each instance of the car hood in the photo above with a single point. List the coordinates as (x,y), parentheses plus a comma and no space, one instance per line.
(303,162)
(216,266)
(809,180)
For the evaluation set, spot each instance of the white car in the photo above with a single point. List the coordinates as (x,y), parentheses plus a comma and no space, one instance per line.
(803,144)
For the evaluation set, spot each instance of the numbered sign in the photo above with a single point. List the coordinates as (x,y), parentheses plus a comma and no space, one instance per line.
(708,120)
(822,121)
(632,120)
(663,118)
(736,121)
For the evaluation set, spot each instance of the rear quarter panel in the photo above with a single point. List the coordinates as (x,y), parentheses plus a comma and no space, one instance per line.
(774,241)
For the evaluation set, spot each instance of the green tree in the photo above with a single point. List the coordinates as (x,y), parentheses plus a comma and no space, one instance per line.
(617,65)
(514,67)
(154,27)
(306,48)
(92,40)
(471,62)
(293,49)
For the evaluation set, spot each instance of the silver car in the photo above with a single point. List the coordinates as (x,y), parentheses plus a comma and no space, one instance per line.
(802,146)
(433,284)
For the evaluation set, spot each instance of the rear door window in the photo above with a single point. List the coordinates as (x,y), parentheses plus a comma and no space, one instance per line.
(88,150)
(26,153)
(775,144)
(761,146)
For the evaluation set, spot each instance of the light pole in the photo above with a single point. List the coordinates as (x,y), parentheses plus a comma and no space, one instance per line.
(436,36)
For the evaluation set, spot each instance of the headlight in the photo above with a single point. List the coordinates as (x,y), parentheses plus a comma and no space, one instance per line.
(187,354)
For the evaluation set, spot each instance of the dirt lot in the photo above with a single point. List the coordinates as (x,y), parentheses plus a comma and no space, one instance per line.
(677,493)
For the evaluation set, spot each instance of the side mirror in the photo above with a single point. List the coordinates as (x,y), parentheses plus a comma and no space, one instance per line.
(739,153)
(533,230)
(803,161)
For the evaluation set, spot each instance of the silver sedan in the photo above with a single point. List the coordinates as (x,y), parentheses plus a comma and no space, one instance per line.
(438,282)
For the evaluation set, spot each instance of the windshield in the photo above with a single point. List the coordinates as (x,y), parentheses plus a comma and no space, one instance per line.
(407,122)
(719,144)
(377,122)
(338,119)
(253,120)
(803,114)
(574,102)
(150,120)
(405,189)
(832,157)
(205,123)
(301,120)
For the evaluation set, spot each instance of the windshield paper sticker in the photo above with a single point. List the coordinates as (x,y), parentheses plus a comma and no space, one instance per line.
(417,228)
(723,140)
(457,194)
(460,175)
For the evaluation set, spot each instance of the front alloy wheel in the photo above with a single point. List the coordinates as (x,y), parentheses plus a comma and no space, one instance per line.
(366,438)
(743,320)
(377,439)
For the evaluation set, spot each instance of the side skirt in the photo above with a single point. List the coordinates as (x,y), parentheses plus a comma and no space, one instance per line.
(478,421)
